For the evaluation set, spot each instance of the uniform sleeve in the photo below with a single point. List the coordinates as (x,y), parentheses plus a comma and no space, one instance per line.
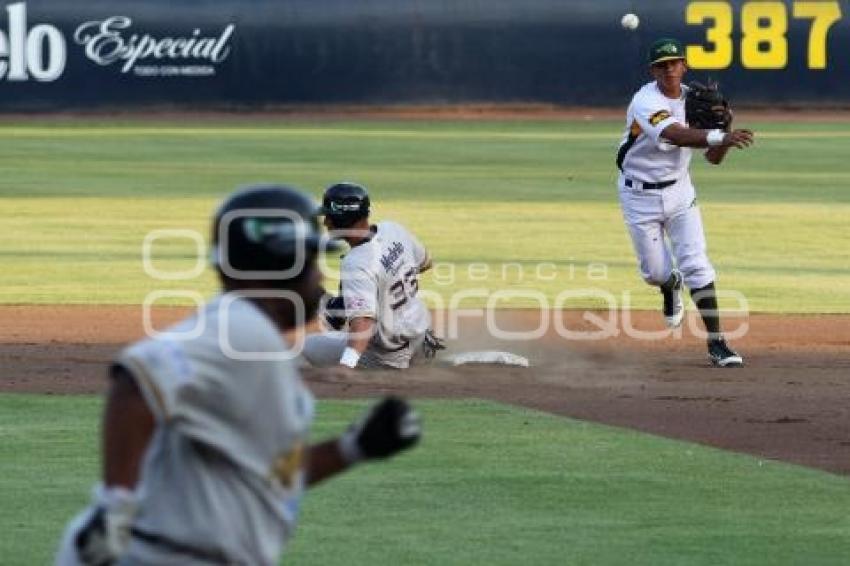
(159,368)
(360,292)
(653,114)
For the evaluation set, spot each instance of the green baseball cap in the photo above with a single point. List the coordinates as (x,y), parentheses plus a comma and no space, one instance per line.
(666,49)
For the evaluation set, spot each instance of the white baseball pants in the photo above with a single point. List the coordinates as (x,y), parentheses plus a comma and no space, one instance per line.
(654,216)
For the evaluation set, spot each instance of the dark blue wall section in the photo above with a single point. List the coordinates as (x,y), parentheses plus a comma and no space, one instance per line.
(56,54)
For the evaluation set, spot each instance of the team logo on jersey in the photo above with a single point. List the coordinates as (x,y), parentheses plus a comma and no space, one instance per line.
(355,304)
(288,465)
(659,117)
(392,255)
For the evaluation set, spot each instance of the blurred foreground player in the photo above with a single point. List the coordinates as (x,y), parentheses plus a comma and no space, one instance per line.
(205,451)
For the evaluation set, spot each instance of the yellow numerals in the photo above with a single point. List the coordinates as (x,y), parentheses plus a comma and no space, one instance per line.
(718,35)
(764,29)
(823,15)
(763,41)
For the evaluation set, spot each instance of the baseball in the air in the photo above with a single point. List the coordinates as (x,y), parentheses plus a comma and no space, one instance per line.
(630,21)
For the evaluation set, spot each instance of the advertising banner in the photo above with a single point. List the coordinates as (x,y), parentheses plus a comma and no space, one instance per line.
(112,54)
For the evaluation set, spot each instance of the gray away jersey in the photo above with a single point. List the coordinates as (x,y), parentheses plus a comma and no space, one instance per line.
(223,471)
(380,280)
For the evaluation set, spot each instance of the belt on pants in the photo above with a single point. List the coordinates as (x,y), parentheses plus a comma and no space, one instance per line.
(651,186)
(202,554)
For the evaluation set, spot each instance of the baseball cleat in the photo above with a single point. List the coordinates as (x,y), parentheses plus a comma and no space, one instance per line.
(721,355)
(674,308)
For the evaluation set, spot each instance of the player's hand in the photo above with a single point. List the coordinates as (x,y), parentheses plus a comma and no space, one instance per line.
(389,427)
(104,537)
(738,138)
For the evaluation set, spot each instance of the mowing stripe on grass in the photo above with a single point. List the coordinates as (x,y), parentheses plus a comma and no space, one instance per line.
(276,131)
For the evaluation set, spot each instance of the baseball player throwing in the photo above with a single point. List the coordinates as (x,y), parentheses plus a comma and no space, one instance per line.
(656,192)
(205,431)
(388,325)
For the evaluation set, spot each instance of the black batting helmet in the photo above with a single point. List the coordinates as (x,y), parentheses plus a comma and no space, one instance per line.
(345,204)
(266,232)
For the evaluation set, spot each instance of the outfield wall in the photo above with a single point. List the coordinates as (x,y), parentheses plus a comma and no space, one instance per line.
(56,54)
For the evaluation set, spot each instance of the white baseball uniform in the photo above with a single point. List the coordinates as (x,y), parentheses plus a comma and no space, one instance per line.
(222,477)
(379,279)
(646,160)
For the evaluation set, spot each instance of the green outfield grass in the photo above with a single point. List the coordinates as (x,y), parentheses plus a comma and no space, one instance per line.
(489,485)
(493,200)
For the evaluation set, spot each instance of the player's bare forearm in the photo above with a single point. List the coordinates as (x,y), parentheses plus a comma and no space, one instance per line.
(127,428)
(324,461)
(715,155)
(360,332)
(388,427)
(683,136)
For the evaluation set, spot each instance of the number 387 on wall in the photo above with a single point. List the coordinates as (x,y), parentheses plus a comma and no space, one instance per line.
(764,27)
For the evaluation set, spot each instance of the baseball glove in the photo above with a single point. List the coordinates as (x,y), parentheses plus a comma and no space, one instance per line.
(706,108)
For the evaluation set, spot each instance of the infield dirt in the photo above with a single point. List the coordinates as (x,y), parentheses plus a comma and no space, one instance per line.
(791,402)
